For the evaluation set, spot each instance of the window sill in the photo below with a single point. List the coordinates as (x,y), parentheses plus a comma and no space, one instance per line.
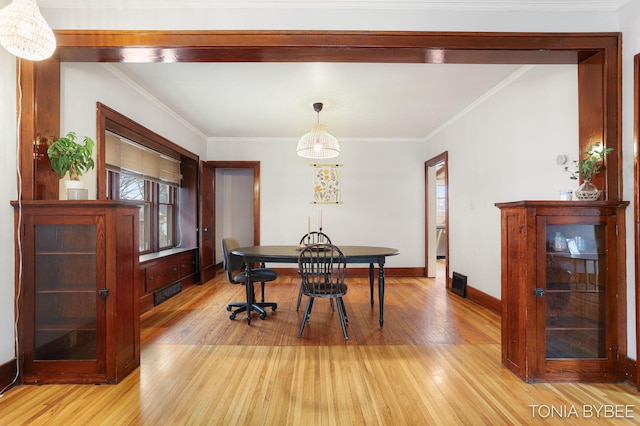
(164,253)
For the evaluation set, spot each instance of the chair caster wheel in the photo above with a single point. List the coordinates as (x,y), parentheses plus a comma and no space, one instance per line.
(273,308)
(232,316)
(228,308)
(263,316)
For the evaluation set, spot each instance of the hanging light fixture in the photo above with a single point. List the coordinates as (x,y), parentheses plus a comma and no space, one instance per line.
(318,143)
(24,32)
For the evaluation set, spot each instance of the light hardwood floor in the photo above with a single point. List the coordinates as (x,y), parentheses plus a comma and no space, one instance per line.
(436,361)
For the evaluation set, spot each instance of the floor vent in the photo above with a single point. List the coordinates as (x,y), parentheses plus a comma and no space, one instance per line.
(163,294)
(459,284)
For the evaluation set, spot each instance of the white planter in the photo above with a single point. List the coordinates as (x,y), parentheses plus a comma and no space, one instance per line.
(76,190)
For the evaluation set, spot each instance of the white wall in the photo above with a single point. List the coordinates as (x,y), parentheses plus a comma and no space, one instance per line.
(234,207)
(382,185)
(504,149)
(84,84)
(7,192)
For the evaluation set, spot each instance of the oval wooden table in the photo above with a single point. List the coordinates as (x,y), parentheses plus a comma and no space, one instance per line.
(289,254)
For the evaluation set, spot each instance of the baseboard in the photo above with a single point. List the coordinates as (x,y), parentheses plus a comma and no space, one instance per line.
(630,367)
(8,374)
(483,299)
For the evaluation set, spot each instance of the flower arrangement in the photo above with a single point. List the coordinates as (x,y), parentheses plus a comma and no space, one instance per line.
(591,164)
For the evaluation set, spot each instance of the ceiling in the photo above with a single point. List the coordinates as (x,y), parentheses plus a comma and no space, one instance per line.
(275,100)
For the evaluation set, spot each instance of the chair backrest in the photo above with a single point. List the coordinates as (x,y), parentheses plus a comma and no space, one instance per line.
(231,262)
(323,268)
(315,237)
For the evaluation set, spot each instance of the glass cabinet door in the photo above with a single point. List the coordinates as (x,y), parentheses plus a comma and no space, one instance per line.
(575,291)
(65,292)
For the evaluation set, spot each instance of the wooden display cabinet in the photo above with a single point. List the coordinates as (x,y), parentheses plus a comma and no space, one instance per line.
(563,290)
(78,297)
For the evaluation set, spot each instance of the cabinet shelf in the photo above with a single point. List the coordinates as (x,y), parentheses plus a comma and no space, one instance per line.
(63,290)
(573,323)
(65,253)
(69,325)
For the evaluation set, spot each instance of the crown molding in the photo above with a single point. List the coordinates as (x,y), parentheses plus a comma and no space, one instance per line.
(436,5)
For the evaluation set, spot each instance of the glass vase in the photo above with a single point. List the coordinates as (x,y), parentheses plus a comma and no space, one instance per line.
(587,192)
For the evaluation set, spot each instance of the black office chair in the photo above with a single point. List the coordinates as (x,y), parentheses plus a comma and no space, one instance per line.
(233,263)
(313,237)
(323,268)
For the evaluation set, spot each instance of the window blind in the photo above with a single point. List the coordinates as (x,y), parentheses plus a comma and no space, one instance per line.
(122,154)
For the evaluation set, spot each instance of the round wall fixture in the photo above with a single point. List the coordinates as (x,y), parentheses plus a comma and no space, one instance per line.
(561,159)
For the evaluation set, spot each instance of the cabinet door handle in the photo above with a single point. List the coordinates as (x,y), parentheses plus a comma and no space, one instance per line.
(103,292)
(538,292)
(150,277)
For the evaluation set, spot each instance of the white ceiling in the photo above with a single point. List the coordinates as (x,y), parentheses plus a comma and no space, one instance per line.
(274,100)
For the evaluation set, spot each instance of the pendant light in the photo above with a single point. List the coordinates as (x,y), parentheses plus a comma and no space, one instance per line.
(24,32)
(318,143)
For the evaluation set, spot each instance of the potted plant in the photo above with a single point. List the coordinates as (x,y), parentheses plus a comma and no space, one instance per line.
(587,168)
(68,156)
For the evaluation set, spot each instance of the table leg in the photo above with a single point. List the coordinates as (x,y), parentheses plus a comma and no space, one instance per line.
(381,291)
(371,280)
(249,291)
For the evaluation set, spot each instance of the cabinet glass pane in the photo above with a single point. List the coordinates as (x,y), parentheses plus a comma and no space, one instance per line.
(65,292)
(575,291)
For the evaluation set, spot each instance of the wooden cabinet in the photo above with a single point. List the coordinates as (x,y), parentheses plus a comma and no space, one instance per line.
(563,290)
(79,316)
(164,274)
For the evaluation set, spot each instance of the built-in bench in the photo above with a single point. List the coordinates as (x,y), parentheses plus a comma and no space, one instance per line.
(165,274)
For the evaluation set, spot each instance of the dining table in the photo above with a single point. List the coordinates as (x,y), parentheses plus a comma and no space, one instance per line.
(371,255)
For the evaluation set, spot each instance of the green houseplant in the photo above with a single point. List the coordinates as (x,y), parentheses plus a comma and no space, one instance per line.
(67,155)
(587,168)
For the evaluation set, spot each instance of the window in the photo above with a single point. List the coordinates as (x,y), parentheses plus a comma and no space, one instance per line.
(149,178)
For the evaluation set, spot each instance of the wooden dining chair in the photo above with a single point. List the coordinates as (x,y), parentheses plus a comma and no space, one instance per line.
(323,269)
(232,264)
(313,237)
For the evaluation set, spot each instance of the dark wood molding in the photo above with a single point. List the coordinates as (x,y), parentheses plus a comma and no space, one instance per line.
(255,167)
(110,119)
(39,111)
(630,368)
(636,194)
(483,299)
(443,157)
(8,372)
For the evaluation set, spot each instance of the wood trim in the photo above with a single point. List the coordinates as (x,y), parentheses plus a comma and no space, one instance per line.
(330,46)
(630,369)
(255,165)
(110,119)
(39,112)
(636,196)
(443,157)
(483,299)
(8,372)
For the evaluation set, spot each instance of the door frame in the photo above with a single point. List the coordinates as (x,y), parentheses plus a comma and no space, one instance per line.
(440,158)
(255,167)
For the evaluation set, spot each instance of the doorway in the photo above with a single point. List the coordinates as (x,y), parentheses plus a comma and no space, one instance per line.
(437,215)
(229,206)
